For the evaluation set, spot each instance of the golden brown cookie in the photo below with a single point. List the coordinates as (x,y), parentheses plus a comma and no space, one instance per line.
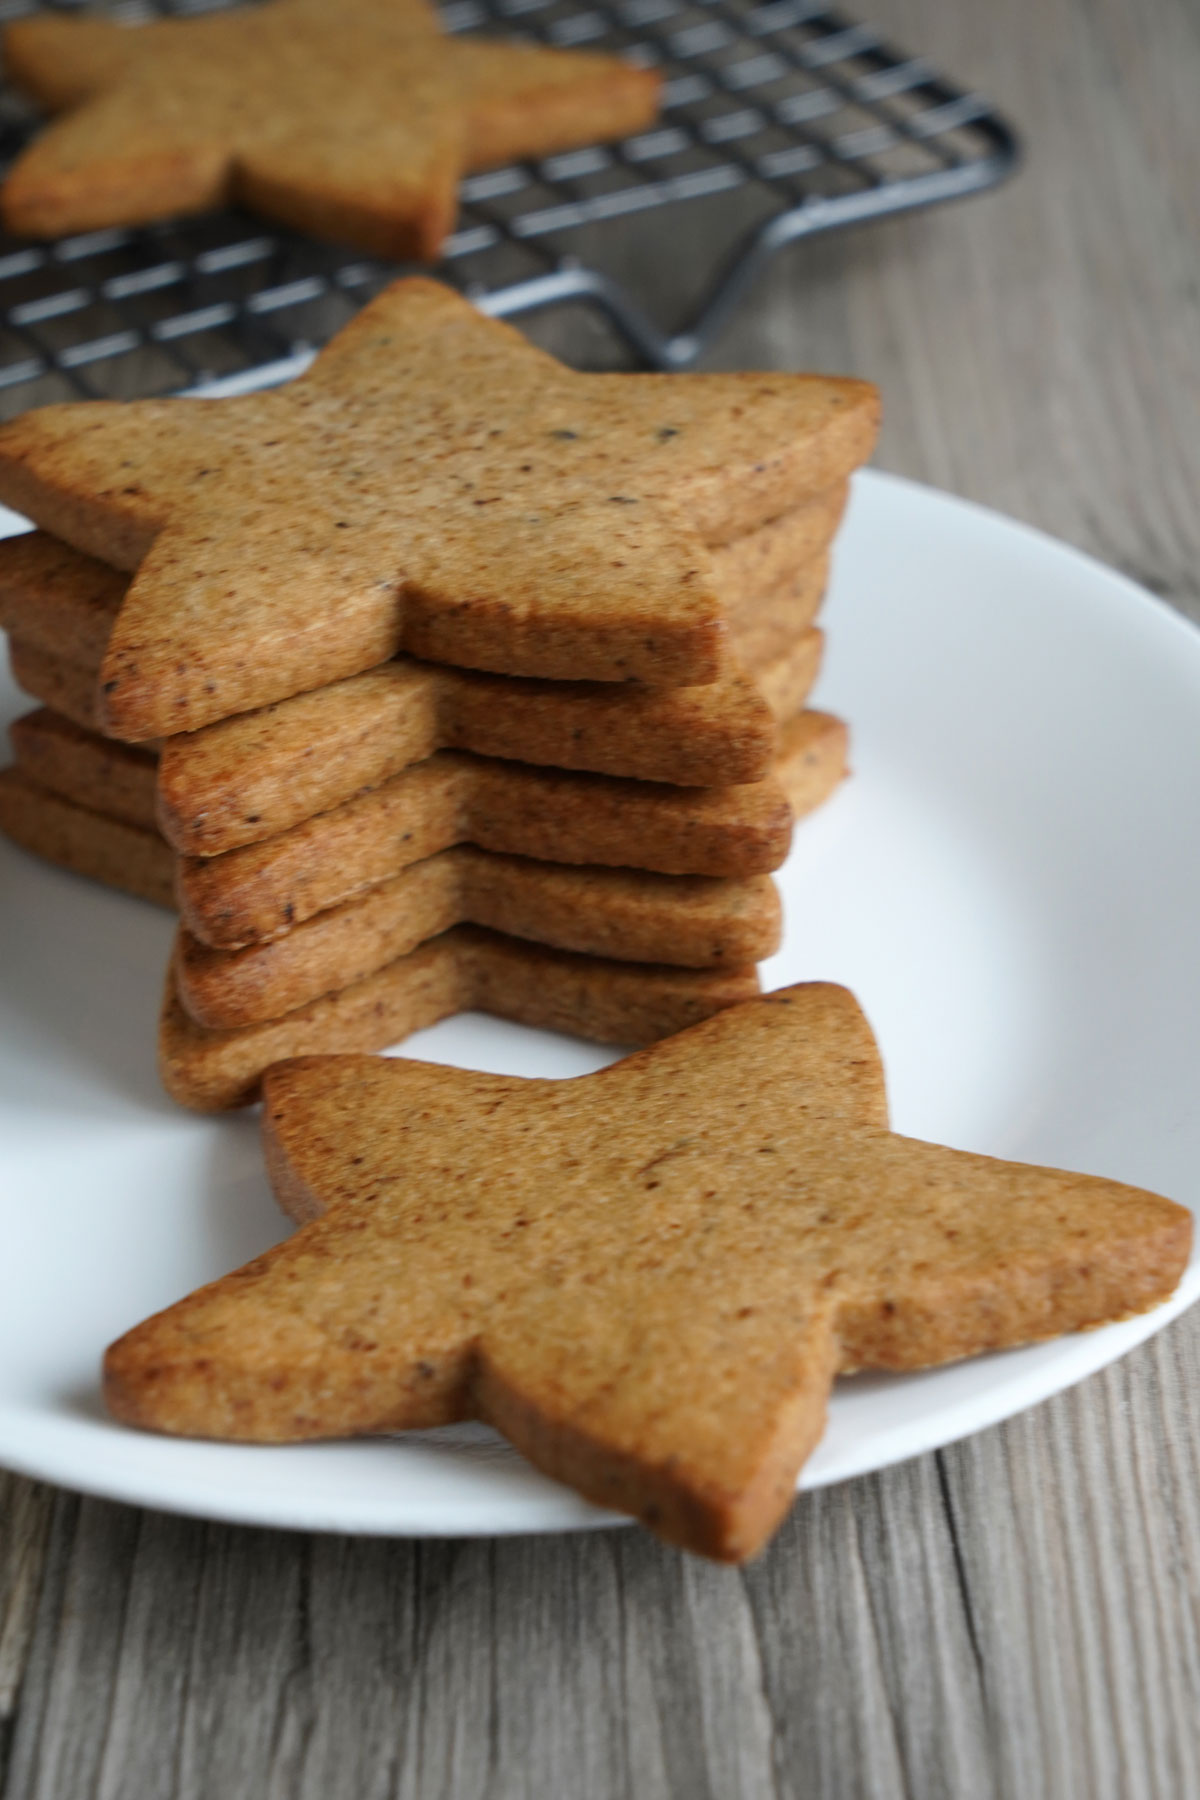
(353,121)
(59,606)
(245,778)
(259,774)
(102,847)
(256,777)
(646,1278)
(433,484)
(688,921)
(773,629)
(253,893)
(63,687)
(73,799)
(118,780)
(61,600)
(56,599)
(464,970)
(735,832)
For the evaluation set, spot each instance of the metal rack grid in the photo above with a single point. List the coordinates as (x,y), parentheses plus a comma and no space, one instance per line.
(793,118)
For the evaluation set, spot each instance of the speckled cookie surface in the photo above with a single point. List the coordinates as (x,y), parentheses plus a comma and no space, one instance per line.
(465,970)
(107,849)
(66,688)
(618,911)
(260,772)
(647,1278)
(62,600)
(435,484)
(254,895)
(353,122)
(111,778)
(249,779)
(689,921)
(252,890)
(461,970)
(56,599)
(59,607)
(251,894)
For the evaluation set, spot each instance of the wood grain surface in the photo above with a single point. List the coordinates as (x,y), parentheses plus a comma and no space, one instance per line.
(1017,1616)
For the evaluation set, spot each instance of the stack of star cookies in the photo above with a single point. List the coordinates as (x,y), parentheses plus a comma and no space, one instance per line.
(446,678)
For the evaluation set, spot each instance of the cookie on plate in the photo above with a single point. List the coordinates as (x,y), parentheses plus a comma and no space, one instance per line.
(251,895)
(646,1278)
(102,846)
(687,921)
(244,778)
(433,484)
(467,969)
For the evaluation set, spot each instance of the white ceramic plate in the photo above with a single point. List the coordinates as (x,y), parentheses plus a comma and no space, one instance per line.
(1009,883)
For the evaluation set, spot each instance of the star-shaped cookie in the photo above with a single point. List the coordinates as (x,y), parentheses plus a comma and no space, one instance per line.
(645,1278)
(434,483)
(350,119)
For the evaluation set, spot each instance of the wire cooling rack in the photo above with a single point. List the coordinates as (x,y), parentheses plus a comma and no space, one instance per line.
(780,120)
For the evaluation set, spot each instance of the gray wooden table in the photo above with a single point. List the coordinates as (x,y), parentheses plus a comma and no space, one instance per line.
(1016,1616)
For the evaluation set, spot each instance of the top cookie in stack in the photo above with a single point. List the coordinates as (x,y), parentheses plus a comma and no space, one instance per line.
(434,484)
(606,548)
